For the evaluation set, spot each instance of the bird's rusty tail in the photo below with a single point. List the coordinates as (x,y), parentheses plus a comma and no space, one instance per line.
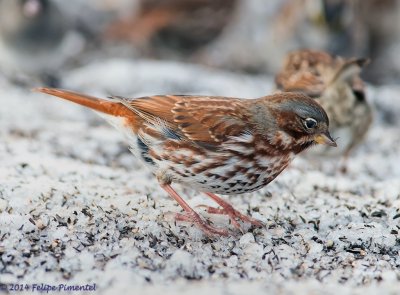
(97,104)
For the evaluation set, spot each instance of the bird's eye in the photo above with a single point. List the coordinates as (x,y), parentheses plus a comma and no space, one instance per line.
(310,123)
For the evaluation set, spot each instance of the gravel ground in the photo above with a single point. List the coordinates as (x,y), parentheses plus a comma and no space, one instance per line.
(76,208)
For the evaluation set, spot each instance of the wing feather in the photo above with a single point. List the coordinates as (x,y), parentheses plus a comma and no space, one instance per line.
(206,119)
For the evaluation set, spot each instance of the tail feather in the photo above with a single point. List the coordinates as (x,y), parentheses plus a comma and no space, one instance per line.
(97,104)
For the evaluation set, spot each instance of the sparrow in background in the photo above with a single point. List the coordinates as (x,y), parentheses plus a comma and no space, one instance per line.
(35,39)
(335,83)
(216,145)
(177,25)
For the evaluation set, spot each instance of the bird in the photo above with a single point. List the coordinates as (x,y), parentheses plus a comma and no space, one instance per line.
(335,83)
(169,26)
(35,39)
(215,145)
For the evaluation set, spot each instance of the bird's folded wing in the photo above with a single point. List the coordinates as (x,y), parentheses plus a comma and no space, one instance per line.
(210,120)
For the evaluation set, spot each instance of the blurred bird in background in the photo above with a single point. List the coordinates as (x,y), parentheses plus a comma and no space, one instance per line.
(260,35)
(164,28)
(336,84)
(35,39)
(249,36)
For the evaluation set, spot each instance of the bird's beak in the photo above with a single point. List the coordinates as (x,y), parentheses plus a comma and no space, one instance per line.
(325,138)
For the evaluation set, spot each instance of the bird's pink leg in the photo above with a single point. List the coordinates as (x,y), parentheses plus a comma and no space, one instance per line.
(191,216)
(232,213)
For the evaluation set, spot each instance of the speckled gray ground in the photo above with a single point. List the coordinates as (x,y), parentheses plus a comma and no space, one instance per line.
(76,208)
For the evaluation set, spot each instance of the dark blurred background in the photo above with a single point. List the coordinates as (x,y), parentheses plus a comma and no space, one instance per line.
(45,38)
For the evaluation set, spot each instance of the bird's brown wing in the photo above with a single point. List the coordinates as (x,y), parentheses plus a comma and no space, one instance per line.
(206,119)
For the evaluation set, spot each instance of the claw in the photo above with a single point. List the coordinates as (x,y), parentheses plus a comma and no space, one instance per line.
(195,219)
(233,215)
(191,216)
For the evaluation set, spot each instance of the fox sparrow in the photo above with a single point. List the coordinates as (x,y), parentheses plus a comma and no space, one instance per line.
(213,144)
(335,83)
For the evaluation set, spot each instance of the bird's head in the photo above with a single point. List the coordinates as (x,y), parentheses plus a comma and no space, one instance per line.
(297,120)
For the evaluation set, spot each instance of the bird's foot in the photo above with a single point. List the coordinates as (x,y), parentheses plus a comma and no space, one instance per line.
(195,219)
(233,214)
(191,216)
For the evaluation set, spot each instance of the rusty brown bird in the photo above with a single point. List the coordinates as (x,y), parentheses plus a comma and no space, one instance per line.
(216,145)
